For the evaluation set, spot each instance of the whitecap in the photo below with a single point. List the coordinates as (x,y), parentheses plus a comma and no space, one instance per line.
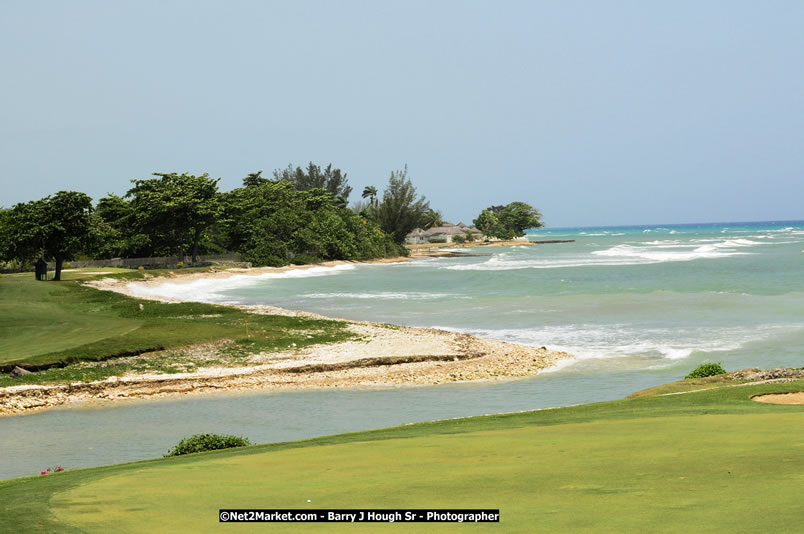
(384,295)
(594,341)
(208,289)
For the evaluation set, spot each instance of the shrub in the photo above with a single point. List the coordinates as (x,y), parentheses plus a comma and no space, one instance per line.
(305,259)
(470,236)
(459,238)
(437,240)
(180,264)
(707,369)
(207,442)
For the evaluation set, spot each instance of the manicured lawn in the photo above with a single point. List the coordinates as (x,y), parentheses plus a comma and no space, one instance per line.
(50,322)
(711,461)
(39,318)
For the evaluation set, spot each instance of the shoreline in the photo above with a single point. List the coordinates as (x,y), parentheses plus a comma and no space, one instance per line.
(381,355)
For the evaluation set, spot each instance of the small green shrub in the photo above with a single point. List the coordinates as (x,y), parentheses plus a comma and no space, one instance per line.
(707,369)
(470,236)
(305,259)
(180,264)
(207,442)
(459,238)
(437,240)
(68,265)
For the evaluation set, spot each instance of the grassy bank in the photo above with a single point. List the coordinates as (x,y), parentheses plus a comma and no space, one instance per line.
(710,461)
(58,323)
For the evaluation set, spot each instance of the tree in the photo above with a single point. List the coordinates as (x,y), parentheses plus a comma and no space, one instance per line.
(175,209)
(487,222)
(517,217)
(400,210)
(370,192)
(113,228)
(254,178)
(332,180)
(508,222)
(432,219)
(5,216)
(55,228)
(273,224)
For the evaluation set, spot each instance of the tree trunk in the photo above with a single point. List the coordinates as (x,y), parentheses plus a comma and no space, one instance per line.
(196,239)
(181,249)
(59,264)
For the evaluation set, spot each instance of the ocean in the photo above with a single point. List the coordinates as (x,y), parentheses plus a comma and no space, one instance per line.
(653,300)
(637,306)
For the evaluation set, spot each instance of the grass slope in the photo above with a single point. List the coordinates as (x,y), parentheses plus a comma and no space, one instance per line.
(40,318)
(61,322)
(710,461)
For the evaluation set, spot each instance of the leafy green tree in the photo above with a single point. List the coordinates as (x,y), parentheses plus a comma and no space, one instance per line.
(508,222)
(254,178)
(401,210)
(273,224)
(5,230)
(55,228)
(487,222)
(175,209)
(114,229)
(331,180)
(517,217)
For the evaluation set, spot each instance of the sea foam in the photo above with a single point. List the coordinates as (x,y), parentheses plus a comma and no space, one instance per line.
(209,289)
(594,341)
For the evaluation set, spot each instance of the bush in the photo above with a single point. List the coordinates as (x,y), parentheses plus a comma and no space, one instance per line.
(437,240)
(470,236)
(707,369)
(207,442)
(459,238)
(305,259)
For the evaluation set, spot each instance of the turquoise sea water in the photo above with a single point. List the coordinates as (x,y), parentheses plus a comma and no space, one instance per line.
(653,299)
(637,306)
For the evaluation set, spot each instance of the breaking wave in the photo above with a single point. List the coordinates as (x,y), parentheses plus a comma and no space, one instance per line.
(594,341)
(209,289)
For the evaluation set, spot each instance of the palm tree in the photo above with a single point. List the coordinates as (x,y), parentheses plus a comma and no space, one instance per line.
(432,218)
(371,192)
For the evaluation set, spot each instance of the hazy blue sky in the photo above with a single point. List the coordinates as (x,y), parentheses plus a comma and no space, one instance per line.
(596,112)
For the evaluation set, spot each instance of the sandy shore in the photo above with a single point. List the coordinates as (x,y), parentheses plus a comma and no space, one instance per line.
(382,355)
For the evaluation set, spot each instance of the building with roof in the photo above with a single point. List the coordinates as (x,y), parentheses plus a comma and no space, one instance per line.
(443,233)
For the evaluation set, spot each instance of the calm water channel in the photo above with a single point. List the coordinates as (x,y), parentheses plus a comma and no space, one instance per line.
(92,436)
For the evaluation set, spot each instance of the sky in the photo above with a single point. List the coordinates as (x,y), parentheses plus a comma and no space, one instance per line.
(594,112)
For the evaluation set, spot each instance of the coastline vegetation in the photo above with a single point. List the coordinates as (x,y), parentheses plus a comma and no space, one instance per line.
(56,325)
(299,216)
(707,369)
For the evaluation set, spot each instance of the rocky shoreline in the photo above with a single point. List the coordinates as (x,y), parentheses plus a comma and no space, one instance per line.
(381,356)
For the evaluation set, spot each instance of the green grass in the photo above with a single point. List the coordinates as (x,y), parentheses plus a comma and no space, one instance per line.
(40,317)
(687,385)
(711,461)
(44,323)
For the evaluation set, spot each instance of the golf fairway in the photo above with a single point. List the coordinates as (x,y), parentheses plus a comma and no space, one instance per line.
(711,461)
